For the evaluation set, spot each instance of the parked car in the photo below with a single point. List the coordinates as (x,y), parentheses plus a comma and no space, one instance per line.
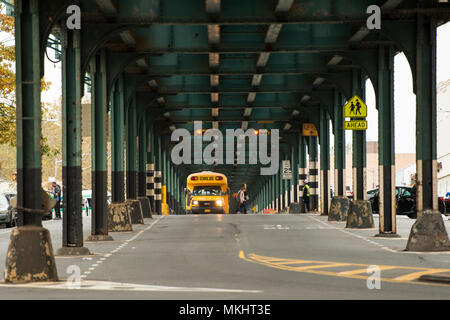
(348,192)
(7,214)
(405,201)
(446,201)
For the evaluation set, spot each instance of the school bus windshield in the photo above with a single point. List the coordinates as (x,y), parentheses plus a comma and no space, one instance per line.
(206,191)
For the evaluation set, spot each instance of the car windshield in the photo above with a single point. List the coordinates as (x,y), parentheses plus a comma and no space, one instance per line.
(3,202)
(206,191)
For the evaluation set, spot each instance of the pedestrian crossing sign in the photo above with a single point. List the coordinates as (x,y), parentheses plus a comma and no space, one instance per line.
(355,108)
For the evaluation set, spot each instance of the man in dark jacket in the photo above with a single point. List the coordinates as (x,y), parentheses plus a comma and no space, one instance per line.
(57,197)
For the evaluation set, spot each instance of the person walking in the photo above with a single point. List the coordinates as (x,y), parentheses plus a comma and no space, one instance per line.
(242,198)
(306,195)
(57,197)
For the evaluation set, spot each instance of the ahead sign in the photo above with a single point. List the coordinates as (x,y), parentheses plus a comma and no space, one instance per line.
(355,125)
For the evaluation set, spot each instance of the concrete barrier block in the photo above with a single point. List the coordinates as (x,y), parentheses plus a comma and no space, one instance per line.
(360,215)
(339,208)
(119,218)
(30,256)
(428,233)
(135,210)
(146,208)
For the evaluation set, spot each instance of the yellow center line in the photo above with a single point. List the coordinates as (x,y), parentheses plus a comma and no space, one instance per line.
(331,265)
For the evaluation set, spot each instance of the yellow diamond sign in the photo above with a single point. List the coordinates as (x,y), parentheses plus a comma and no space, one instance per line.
(355,125)
(309,130)
(355,108)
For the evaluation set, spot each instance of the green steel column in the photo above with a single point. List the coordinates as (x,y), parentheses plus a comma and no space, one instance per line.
(386,146)
(313,174)
(142,155)
(339,145)
(168,180)
(359,144)
(281,181)
(28,104)
(287,186)
(99,229)
(265,201)
(158,166)
(117,142)
(324,160)
(150,177)
(426,115)
(302,173)
(71,129)
(131,150)
(273,187)
(294,177)
(23,247)
(279,189)
(164,175)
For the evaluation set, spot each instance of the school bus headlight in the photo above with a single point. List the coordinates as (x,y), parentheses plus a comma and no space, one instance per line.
(195,203)
(219,203)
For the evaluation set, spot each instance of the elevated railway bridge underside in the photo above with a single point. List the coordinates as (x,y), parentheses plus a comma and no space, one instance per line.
(157,66)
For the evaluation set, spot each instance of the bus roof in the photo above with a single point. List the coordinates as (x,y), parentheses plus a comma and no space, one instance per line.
(208,173)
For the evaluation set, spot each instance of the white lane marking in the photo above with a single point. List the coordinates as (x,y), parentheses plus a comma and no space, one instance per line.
(115,286)
(93,266)
(381,246)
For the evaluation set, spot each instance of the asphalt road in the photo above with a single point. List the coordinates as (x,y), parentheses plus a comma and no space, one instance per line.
(239,257)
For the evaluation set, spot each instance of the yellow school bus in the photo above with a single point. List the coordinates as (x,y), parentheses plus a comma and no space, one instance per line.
(207,192)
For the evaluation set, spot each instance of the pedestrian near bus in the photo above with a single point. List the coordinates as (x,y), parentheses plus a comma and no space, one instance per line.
(242,198)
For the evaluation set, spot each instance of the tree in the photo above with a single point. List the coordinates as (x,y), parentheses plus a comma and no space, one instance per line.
(8,88)
(7,84)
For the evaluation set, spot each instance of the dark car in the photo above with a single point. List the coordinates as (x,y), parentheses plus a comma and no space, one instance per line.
(405,200)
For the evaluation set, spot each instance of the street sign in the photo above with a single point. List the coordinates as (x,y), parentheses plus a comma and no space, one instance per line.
(355,108)
(287,172)
(309,130)
(355,125)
